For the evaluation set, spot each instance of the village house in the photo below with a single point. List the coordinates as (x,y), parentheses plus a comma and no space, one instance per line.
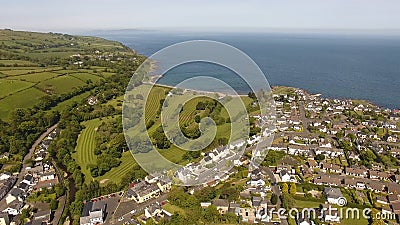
(42,217)
(327,180)
(143,191)
(377,175)
(391,138)
(395,152)
(92,100)
(331,168)
(298,150)
(395,178)
(382,200)
(222,205)
(93,213)
(14,208)
(333,195)
(354,183)
(312,164)
(29,179)
(7,181)
(356,172)
(156,212)
(392,188)
(375,186)
(329,152)
(260,205)
(396,208)
(393,198)
(248,214)
(286,177)
(354,156)
(256,180)
(5,156)
(15,194)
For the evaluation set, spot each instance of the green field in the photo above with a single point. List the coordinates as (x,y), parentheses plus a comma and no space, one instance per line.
(21,88)
(8,87)
(86,77)
(78,99)
(153,103)
(84,151)
(19,100)
(63,84)
(8,62)
(115,174)
(35,77)
(85,156)
(33,65)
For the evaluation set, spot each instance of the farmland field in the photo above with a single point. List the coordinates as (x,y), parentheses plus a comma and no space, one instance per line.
(79,98)
(63,84)
(38,64)
(86,76)
(35,77)
(19,100)
(15,72)
(39,82)
(16,62)
(8,87)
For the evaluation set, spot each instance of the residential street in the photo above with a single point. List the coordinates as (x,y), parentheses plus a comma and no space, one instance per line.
(21,174)
(275,189)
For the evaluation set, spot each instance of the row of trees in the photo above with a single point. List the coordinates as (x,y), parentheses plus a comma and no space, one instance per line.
(23,128)
(110,144)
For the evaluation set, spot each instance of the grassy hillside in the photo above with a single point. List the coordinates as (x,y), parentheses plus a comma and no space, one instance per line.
(86,144)
(34,65)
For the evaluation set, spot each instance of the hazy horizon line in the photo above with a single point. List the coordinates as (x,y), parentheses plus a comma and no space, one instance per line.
(383,31)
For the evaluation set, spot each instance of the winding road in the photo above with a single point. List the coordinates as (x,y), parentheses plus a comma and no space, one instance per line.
(22,173)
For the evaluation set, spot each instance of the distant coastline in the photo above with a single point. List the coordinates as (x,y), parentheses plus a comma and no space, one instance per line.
(333,65)
(360,101)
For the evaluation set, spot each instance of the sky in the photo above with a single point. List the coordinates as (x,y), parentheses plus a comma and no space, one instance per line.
(58,15)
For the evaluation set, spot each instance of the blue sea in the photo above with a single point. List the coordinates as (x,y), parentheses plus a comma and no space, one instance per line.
(335,65)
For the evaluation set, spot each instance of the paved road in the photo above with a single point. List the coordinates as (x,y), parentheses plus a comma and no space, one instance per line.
(32,149)
(275,189)
(21,174)
(303,117)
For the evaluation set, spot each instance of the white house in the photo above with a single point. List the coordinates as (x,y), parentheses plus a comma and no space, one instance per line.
(333,195)
(93,213)
(286,177)
(14,208)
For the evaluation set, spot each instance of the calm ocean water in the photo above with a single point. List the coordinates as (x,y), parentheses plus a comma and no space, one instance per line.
(359,67)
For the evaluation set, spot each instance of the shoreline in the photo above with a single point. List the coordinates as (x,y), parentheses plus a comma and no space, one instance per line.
(156,77)
(361,101)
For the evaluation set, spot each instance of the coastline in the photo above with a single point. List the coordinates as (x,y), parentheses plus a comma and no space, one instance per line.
(355,101)
(154,78)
